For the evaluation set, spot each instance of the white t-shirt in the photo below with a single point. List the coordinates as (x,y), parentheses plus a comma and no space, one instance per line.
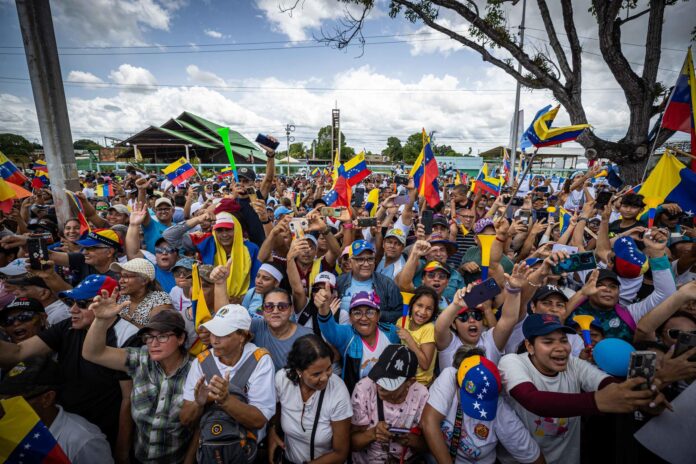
(517,337)
(124,331)
(558,437)
(370,355)
(56,312)
(260,391)
(297,418)
(485,341)
(479,437)
(684,278)
(82,441)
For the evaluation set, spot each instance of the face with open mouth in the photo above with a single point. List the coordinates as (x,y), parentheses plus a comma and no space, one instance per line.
(469,326)
(422,310)
(549,353)
(437,280)
(21,325)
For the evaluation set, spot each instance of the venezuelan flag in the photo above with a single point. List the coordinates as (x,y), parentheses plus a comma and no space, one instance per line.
(104,190)
(199,309)
(226,172)
(179,171)
(489,185)
(315,172)
(541,134)
(563,219)
(340,194)
(10,172)
(25,438)
(39,180)
(425,172)
(671,182)
(406,296)
(84,225)
(372,202)
(40,165)
(355,169)
(680,113)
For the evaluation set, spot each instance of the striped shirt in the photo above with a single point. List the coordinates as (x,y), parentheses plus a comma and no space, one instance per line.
(155,405)
(464,242)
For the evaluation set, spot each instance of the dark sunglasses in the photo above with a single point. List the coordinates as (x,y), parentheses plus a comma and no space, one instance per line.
(674,333)
(464,317)
(24,316)
(269,307)
(165,250)
(82,304)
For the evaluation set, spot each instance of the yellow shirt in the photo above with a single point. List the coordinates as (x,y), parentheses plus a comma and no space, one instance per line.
(423,334)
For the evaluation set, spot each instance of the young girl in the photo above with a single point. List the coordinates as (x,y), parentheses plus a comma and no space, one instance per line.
(417,331)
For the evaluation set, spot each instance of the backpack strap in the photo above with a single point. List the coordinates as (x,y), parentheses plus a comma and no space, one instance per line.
(316,422)
(625,316)
(239,381)
(208,366)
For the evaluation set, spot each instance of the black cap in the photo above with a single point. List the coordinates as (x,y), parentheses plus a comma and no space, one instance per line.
(28,279)
(165,321)
(318,201)
(440,220)
(246,173)
(605,274)
(541,324)
(395,365)
(44,225)
(31,377)
(25,304)
(547,290)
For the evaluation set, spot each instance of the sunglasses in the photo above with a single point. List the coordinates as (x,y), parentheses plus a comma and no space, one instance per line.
(183,274)
(24,316)
(466,315)
(165,250)
(82,304)
(674,333)
(269,307)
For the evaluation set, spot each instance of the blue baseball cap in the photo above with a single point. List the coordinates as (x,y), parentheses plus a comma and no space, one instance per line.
(479,387)
(531,261)
(281,211)
(541,324)
(361,246)
(91,286)
(186,263)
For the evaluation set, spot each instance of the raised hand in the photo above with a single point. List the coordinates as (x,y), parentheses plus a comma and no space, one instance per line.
(421,248)
(138,214)
(105,306)
(655,241)
(590,287)
(520,275)
(220,273)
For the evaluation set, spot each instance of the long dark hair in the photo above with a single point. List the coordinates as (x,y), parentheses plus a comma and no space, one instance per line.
(305,351)
(421,292)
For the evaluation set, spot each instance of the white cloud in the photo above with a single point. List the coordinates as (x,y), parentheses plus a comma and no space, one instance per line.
(133,75)
(84,77)
(214,34)
(197,75)
(108,22)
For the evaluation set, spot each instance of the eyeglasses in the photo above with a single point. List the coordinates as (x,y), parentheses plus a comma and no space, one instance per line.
(437,275)
(358,314)
(128,276)
(24,316)
(82,304)
(466,315)
(363,261)
(183,274)
(269,307)
(165,250)
(163,210)
(161,338)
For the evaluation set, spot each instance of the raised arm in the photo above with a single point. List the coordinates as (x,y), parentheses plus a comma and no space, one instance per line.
(511,307)
(137,217)
(267,181)
(648,324)
(95,350)
(443,334)
(404,280)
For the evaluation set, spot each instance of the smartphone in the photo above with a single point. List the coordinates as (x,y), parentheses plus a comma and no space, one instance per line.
(542,188)
(642,364)
(251,191)
(398,431)
(367,222)
(687,221)
(298,227)
(38,250)
(541,215)
(685,342)
(401,180)
(567,248)
(401,200)
(330,212)
(265,141)
(517,201)
(577,262)
(427,221)
(603,199)
(486,290)
(525,217)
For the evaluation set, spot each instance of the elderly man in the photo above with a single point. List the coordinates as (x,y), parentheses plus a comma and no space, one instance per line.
(363,278)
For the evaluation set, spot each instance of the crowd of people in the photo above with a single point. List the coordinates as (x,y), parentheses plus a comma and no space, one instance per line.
(392,332)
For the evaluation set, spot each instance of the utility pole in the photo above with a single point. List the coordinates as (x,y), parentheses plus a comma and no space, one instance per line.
(335,134)
(288,129)
(516,116)
(41,50)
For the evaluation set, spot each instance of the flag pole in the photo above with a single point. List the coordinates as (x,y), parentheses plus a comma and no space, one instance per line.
(652,151)
(519,184)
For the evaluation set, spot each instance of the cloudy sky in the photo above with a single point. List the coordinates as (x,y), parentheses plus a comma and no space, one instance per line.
(128,64)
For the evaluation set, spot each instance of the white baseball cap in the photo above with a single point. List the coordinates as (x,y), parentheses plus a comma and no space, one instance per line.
(15,268)
(229,319)
(323,277)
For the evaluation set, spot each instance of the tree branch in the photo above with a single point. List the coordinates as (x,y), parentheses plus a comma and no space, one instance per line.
(575,48)
(653,42)
(631,18)
(553,39)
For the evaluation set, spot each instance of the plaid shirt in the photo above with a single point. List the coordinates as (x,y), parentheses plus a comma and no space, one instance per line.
(155,405)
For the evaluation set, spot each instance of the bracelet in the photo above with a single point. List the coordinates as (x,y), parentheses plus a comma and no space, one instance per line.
(267,221)
(347,225)
(510,290)
(498,239)
(582,219)
(533,284)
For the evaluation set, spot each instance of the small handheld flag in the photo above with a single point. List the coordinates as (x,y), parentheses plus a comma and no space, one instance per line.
(179,171)
(541,134)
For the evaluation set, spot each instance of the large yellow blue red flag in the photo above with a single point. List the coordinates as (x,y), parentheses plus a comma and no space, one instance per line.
(24,437)
(355,169)
(372,202)
(179,171)
(671,182)
(425,172)
(10,172)
(541,134)
(680,113)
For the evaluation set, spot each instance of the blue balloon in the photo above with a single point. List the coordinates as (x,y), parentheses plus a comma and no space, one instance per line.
(612,355)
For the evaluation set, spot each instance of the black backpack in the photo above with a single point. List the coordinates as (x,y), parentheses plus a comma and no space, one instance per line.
(222,438)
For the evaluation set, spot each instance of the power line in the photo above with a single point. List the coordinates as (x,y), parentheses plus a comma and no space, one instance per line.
(597,39)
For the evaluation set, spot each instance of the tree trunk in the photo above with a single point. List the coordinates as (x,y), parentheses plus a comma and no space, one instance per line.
(632,172)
